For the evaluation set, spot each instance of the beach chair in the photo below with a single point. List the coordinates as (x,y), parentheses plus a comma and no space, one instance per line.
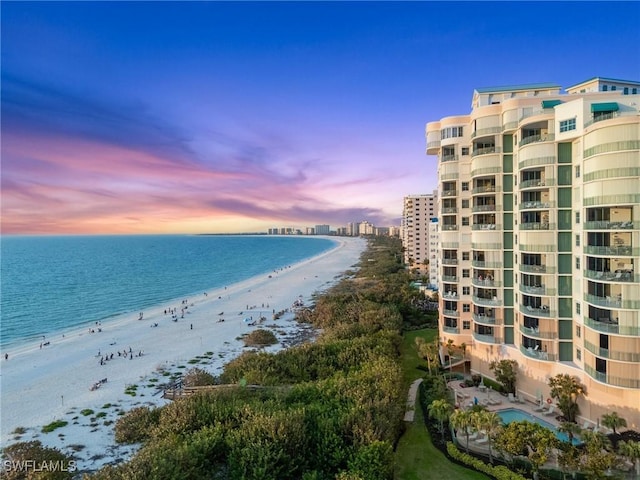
(539,408)
(511,398)
(586,425)
(496,401)
(551,411)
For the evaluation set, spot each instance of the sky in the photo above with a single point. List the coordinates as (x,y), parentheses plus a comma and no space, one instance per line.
(228,117)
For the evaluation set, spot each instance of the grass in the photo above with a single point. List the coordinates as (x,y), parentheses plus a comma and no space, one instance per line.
(53,425)
(416,457)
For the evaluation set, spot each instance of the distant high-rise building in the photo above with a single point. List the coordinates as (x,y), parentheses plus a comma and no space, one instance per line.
(323,229)
(540,237)
(417,213)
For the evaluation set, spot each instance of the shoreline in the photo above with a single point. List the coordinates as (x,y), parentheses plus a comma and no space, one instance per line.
(41,385)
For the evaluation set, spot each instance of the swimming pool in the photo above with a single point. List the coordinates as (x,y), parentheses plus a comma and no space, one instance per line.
(516,415)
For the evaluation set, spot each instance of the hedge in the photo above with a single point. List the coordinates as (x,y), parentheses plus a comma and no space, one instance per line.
(499,472)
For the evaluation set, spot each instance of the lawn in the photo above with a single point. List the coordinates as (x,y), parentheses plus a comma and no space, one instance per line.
(416,456)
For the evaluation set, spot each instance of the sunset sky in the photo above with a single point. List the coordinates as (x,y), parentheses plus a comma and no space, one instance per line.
(161,117)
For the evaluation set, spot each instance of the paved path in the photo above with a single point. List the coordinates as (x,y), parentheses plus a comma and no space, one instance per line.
(411,400)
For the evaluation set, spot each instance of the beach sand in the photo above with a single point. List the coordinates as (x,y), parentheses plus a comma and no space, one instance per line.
(40,385)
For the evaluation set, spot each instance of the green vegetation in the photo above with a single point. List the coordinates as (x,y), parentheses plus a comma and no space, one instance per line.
(197,377)
(131,390)
(54,425)
(37,454)
(566,390)
(260,338)
(86,412)
(506,372)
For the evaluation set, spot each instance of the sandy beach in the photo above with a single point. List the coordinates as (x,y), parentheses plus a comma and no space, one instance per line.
(57,380)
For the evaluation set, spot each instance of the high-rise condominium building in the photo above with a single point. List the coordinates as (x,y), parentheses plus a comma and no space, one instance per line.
(417,213)
(539,217)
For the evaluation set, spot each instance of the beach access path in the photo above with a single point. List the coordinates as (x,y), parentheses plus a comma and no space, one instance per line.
(57,381)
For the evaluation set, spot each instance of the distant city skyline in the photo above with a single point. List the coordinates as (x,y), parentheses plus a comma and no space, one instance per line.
(210,117)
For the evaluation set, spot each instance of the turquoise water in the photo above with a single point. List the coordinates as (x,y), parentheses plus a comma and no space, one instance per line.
(52,283)
(515,415)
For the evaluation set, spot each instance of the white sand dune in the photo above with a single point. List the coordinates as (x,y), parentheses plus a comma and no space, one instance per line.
(42,384)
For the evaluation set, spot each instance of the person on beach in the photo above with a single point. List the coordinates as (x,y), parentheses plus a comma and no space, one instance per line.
(6,356)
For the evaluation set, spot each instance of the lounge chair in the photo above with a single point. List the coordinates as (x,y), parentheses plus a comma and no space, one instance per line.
(512,399)
(482,440)
(551,411)
(495,401)
(586,425)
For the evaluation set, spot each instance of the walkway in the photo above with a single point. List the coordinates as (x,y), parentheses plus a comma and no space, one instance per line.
(411,400)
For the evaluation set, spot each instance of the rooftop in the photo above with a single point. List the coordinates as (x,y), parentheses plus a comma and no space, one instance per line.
(515,88)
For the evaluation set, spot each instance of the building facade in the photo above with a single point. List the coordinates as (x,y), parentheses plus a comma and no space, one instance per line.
(539,217)
(417,213)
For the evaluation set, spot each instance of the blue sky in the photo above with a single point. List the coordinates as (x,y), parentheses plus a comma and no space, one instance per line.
(151,117)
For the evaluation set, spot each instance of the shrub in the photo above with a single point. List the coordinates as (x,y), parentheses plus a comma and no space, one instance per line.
(260,338)
(499,473)
(197,377)
(86,412)
(53,425)
(136,425)
(38,454)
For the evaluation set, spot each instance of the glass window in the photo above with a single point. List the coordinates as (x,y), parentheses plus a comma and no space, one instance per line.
(567,125)
(466,325)
(466,307)
(465,186)
(578,331)
(465,255)
(578,354)
(577,240)
(465,273)
(577,263)
(577,217)
(465,150)
(577,171)
(465,221)
(465,203)
(578,308)
(465,290)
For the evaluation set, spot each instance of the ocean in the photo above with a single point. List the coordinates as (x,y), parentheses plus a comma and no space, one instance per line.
(50,284)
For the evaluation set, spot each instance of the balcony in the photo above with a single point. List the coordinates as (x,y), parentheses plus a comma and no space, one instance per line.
(487,338)
(483,208)
(486,131)
(608,301)
(449,193)
(536,268)
(541,182)
(482,318)
(602,377)
(619,276)
(484,189)
(483,264)
(544,137)
(536,333)
(537,226)
(618,250)
(450,295)
(602,117)
(449,278)
(608,225)
(612,354)
(449,158)
(450,313)
(449,261)
(433,144)
(449,210)
(447,329)
(449,228)
(485,226)
(487,302)
(485,282)
(537,290)
(536,205)
(485,151)
(538,355)
(543,311)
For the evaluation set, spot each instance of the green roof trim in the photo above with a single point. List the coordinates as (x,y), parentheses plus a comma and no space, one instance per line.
(604,107)
(512,88)
(550,103)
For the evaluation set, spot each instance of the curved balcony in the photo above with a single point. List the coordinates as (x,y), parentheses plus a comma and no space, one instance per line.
(455,330)
(486,338)
(527,184)
(536,205)
(544,137)
(633,357)
(486,131)
(487,302)
(483,319)
(617,250)
(486,283)
(538,355)
(608,326)
(610,302)
(620,276)
(611,380)
(536,312)
(450,313)
(537,290)
(537,226)
(536,333)
(608,225)
(485,151)
(537,269)
(485,189)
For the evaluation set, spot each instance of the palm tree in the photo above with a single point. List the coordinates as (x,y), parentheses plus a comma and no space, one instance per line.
(462,420)
(440,411)
(450,352)
(491,423)
(571,429)
(566,389)
(463,347)
(613,420)
(631,450)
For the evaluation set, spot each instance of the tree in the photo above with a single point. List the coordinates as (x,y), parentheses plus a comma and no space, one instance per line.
(571,429)
(427,351)
(22,452)
(462,420)
(528,438)
(463,347)
(566,390)
(597,457)
(440,410)
(506,372)
(631,451)
(613,420)
(569,459)
(491,423)
(450,347)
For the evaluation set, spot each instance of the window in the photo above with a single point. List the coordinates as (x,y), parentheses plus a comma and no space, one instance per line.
(578,308)
(577,217)
(465,150)
(465,273)
(466,307)
(577,240)
(466,325)
(465,203)
(578,331)
(578,354)
(465,221)
(465,186)
(450,132)
(466,290)
(613,88)
(626,91)
(634,91)
(577,171)
(605,88)
(567,125)
(577,263)
(465,255)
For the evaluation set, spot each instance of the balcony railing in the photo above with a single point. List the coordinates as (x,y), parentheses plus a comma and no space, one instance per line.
(536,333)
(485,151)
(623,250)
(484,189)
(488,302)
(449,193)
(480,318)
(485,283)
(482,264)
(455,330)
(538,355)
(433,144)
(449,158)
(537,290)
(611,380)
(450,295)
(486,338)
(483,208)
(545,137)
(612,354)
(450,261)
(450,313)
(486,226)
(608,326)
(537,226)
(449,278)
(537,268)
(626,276)
(542,182)
(450,210)
(608,225)
(486,131)
(449,228)
(608,301)
(536,205)
(600,118)
(536,312)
